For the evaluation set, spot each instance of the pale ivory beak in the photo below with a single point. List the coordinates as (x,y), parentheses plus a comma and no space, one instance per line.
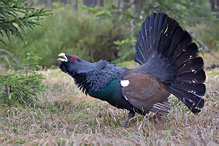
(62,57)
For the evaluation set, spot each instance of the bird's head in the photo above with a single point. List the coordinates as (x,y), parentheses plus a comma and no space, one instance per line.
(73,64)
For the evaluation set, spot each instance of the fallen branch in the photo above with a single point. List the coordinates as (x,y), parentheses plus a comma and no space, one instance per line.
(12,56)
(213,66)
(201,43)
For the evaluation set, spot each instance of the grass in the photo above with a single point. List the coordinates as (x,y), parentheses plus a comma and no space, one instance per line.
(65,116)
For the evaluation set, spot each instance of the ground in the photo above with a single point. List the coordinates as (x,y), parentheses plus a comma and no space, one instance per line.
(66,116)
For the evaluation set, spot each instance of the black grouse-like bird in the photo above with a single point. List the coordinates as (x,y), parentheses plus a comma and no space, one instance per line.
(168,64)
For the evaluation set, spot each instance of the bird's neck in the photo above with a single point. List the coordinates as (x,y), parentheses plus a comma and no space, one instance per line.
(80,81)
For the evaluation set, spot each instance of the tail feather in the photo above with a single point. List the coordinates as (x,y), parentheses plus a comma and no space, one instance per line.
(168,37)
(186,40)
(196,77)
(161,108)
(151,31)
(188,102)
(166,50)
(155,33)
(177,38)
(197,89)
(195,64)
(188,53)
(193,98)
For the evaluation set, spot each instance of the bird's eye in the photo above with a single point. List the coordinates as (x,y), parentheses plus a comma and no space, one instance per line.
(73,57)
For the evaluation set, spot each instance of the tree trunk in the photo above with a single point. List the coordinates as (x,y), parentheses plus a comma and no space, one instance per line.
(126,4)
(217,15)
(137,7)
(63,1)
(214,4)
(89,3)
(118,3)
(100,3)
(75,5)
(49,3)
(217,4)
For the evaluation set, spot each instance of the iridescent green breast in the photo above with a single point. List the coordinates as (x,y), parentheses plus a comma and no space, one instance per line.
(107,92)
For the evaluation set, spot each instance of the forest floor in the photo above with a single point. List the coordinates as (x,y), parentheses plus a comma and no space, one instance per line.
(65,116)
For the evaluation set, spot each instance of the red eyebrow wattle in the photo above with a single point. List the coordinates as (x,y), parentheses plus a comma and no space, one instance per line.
(73,57)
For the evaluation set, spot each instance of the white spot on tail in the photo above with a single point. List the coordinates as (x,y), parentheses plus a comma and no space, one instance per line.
(192,91)
(124,83)
(193,70)
(194,81)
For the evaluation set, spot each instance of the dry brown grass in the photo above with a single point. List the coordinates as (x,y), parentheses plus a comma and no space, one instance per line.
(66,116)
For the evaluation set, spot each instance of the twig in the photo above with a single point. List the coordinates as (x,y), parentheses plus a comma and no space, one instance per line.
(28,4)
(4,58)
(7,90)
(17,63)
(201,43)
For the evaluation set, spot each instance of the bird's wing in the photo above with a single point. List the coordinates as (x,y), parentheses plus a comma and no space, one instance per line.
(145,92)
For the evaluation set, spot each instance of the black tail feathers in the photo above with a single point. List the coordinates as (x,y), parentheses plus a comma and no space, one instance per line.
(166,50)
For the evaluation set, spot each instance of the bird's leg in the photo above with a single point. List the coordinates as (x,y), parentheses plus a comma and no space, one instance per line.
(131,115)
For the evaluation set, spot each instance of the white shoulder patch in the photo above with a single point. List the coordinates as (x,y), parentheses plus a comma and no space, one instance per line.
(125,98)
(124,83)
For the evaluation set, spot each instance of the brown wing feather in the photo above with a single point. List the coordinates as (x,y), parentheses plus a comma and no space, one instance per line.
(145,91)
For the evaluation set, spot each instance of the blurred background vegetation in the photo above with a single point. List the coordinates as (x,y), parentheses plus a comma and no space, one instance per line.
(106,29)
(56,111)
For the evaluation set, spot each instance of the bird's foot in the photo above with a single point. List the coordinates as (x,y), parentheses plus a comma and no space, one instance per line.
(131,115)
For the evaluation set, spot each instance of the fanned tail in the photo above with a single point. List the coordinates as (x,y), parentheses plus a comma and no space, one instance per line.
(166,50)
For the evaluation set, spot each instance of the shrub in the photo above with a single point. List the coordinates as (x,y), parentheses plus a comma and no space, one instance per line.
(21,87)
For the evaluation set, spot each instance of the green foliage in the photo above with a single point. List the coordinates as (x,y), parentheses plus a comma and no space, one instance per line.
(31,62)
(100,32)
(22,86)
(186,12)
(78,33)
(111,11)
(124,49)
(14,15)
(58,4)
(208,33)
(118,17)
